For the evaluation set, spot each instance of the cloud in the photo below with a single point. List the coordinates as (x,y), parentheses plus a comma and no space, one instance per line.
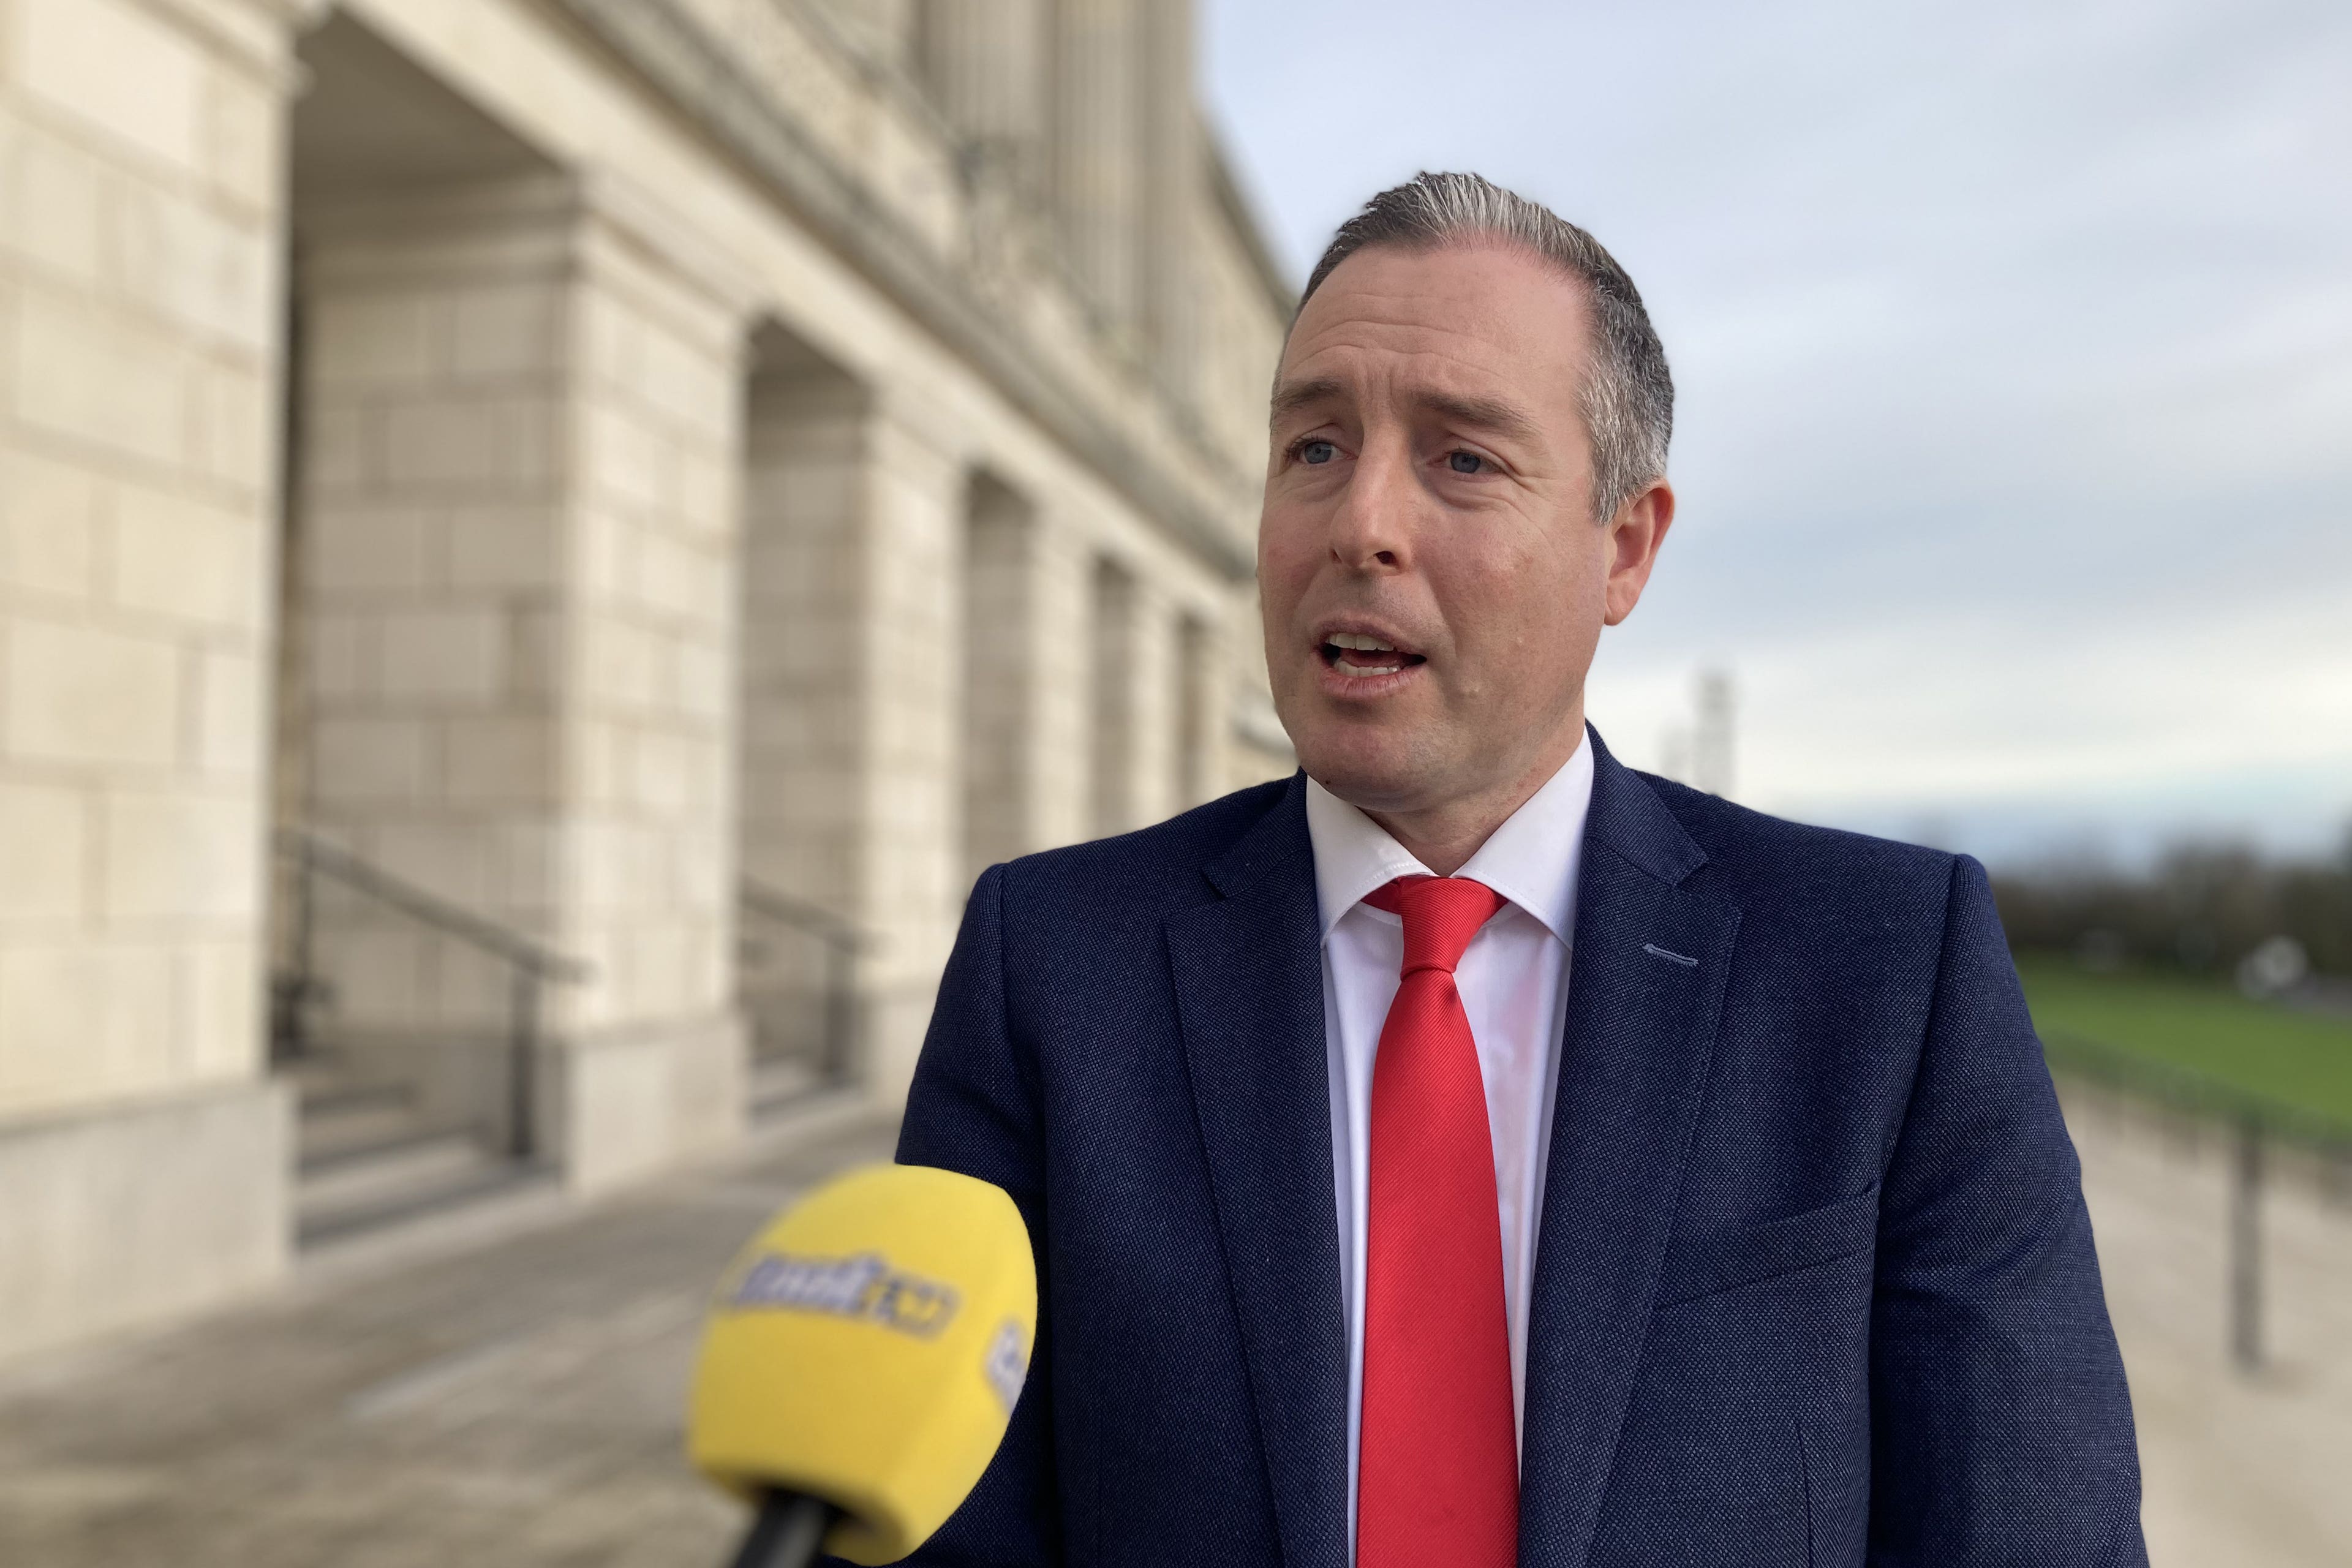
(2014,347)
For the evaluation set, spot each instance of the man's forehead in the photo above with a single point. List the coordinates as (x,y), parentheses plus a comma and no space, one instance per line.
(1465,321)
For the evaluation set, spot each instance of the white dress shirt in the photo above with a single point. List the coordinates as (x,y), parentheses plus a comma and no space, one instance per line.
(1514,983)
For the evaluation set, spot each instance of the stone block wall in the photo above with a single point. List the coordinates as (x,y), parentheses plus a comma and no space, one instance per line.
(140,323)
(518,521)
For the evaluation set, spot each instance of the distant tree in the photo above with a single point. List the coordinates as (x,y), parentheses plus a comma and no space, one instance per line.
(2200,907)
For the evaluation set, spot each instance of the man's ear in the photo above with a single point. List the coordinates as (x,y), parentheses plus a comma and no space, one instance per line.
(1635,534)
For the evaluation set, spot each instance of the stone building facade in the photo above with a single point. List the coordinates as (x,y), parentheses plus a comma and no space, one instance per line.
(500,499)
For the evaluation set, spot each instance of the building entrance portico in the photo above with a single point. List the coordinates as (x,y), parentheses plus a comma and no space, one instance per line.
(531,579)
(506,720)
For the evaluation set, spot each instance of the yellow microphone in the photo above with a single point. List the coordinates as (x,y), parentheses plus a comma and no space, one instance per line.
(861,1363)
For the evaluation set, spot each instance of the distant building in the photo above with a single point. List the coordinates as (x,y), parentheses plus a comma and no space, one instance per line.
(1703,753)
(1712,755)
(542,545)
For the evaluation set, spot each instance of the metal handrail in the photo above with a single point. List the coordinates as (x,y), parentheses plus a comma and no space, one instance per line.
(308,848)
(814,919)
(843,942)
(2257,1119)
(530,963)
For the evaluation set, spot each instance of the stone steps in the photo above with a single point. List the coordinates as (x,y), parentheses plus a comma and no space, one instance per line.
(368,1160)
(781,1081)
(348,1120)
(373,1171)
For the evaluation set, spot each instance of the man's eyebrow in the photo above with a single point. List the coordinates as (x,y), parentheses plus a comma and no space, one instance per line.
(1298,395)
(1489,413)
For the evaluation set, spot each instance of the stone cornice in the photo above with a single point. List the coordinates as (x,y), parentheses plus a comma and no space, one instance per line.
(254,36)
(698,73)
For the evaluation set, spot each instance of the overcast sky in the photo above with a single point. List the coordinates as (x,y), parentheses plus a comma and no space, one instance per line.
(2013,342)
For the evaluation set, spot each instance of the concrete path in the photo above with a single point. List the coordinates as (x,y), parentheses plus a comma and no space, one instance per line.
(516,1405)
(2254,1470)
(517,1402)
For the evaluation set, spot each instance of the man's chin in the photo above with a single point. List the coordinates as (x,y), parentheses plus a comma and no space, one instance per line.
(1371,772)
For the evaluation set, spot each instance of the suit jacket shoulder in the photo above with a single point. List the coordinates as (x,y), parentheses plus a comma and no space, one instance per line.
(1752,855)
(1141,876)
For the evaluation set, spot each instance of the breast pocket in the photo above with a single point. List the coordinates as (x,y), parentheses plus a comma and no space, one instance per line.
(1710,1262)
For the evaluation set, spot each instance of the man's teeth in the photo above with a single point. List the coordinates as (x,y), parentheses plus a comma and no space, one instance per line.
(1357,643)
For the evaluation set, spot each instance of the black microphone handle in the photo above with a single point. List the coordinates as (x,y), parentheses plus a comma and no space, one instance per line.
(790,1528)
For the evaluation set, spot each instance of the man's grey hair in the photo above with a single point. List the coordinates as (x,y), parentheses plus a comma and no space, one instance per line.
(1628,393)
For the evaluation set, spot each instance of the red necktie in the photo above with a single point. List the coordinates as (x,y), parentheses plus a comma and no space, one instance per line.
(1437,1478)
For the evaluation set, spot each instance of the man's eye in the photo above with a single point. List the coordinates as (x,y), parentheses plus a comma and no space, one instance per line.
(1317,451)
(1465,462)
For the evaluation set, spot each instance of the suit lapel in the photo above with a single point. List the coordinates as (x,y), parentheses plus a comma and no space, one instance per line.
(1638,1037)
(1249,989)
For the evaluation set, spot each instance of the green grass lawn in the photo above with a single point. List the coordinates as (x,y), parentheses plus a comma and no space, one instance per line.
(2292,1059)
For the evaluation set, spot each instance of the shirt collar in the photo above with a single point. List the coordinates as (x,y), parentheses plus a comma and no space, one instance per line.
(1531,859)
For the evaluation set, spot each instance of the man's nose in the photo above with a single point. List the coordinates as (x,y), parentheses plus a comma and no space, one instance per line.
(1371,527)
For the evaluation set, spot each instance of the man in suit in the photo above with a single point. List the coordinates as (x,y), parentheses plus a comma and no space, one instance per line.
(1472,1151)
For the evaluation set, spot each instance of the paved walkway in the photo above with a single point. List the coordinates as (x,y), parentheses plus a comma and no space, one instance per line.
(517,1402)
(2237,1470)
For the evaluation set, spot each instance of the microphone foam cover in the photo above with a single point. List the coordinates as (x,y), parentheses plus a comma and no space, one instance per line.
(866,1348)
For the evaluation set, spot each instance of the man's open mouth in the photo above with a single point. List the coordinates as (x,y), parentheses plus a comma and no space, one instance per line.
(1358,654)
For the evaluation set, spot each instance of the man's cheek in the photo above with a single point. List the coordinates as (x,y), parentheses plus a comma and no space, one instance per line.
(1284,575)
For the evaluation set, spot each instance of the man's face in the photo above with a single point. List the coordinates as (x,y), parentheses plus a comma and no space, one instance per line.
(1429,490)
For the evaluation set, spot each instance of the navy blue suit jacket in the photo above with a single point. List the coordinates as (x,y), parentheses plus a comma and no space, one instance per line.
(1814,1282)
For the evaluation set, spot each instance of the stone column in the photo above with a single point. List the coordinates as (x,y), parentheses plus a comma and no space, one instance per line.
(1153,675)
(984,62)
(1175,197)
(1248,732)
(999,694)
(912,892)
(1110,736)
(852,793)
(1025,667)
(1061,640)
(1096,154)
(882,30)
(144,1152)
(519,519)
(1200,715)
(1134,707)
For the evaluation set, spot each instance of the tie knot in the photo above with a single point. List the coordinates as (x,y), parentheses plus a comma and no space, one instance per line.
(1440,915)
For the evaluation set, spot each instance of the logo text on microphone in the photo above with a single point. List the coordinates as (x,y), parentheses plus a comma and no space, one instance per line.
(862,1286)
